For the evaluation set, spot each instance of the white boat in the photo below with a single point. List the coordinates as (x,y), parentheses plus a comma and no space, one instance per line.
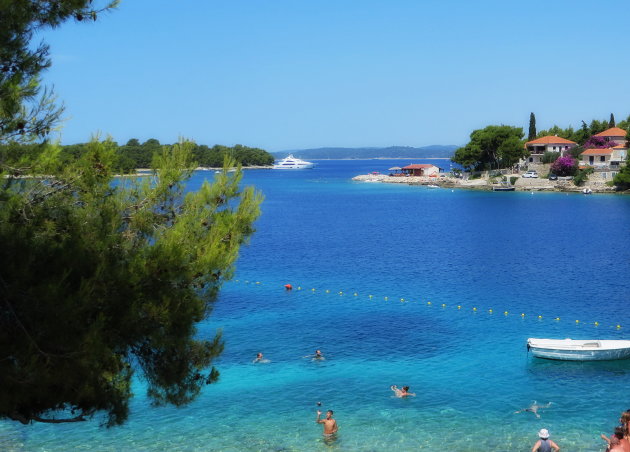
(579,350)
(291,162)
(433,186)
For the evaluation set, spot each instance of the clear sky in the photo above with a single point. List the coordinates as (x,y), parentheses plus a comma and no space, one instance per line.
(291,74)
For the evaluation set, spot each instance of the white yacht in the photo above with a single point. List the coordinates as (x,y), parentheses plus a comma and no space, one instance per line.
(291,162)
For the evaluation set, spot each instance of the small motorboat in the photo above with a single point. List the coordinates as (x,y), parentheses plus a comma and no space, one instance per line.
(579,350)
(433,186)
(587,191)
(502,188)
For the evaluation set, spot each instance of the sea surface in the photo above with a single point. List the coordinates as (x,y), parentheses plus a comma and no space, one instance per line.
(432,288)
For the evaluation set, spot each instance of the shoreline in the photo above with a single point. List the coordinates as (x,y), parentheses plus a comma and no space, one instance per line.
(483,184)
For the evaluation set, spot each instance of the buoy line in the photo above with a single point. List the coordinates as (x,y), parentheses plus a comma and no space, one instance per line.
(473,309)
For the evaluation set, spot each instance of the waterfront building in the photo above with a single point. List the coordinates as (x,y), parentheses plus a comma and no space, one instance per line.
(539,146)
(423,169)
(614,134)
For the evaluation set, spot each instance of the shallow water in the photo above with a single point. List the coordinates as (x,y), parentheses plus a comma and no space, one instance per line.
(547,254)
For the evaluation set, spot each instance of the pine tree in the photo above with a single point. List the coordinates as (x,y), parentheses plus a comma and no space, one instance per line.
(100,280)
(532,127)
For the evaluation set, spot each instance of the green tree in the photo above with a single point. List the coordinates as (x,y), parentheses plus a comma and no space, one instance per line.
(611,122)
(101,280)
(27,110)
(95,277)
(492,147)
(532,127)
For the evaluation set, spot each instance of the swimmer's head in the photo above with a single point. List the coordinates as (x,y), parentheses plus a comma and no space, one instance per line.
(405,388)
(318,352)
(319,403)
(619,432)
(259,355)
(329,414)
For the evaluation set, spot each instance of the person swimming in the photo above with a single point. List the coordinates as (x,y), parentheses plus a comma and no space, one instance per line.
(404,392)
(260,359)
(533,408)
(319,356)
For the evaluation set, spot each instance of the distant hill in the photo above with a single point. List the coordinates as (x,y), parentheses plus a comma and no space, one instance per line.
(433,151)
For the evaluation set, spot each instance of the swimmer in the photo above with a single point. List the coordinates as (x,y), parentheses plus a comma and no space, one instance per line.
(317,356)
(330,425)
(534,408)
(404,392)
(260,359)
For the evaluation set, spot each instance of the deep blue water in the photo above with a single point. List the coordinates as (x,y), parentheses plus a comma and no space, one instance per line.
(363,247)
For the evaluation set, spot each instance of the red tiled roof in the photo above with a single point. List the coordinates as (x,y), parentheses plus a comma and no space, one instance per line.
(418,166)
(550,140)
(597,152)
(619,146)
(612,132)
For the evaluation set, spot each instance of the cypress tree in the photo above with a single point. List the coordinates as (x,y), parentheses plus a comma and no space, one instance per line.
(611,123)
(532,127)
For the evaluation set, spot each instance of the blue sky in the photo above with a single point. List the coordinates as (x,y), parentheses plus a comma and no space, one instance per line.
(299,74)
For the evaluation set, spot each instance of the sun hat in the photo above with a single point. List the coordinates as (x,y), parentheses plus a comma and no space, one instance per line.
(543,433)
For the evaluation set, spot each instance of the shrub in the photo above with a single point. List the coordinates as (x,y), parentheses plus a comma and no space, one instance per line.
(564,166)
(513,180)
(550,157)
(581,176)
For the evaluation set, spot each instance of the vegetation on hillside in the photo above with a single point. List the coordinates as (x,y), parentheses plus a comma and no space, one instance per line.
(135,154)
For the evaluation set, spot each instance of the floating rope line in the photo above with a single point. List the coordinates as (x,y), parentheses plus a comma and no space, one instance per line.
(444,306)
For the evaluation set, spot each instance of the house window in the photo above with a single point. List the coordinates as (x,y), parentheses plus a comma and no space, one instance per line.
(554,148)
(531,159)
(566,147)
(602,158)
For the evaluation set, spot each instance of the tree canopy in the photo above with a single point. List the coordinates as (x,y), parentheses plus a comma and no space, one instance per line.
(101,279)
(492,147)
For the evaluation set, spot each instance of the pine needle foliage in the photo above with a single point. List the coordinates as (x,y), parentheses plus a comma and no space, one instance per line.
(104,278)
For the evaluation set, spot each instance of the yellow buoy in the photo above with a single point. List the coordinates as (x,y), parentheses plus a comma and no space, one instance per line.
(386,298)
(522,314)
(474,309)
(540,316)
(340,293)
(443,305)
(327,291)
(505,313)
(618,326)
(402,299)
(459,307)
(257,282)
(596,324)
(370,296)
(313,289)
(428,302)
(355,294)
(577,321)
(557,318)
(490,311)
(299,288)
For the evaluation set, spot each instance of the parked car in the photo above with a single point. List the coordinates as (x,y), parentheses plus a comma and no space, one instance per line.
(553,177)
(530,173)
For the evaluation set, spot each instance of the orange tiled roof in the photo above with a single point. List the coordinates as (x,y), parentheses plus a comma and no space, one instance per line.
(418,166)
(551,139)
(612,132)
(619,146)
(597,151)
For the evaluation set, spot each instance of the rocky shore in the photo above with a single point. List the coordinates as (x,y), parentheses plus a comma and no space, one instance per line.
(485,183)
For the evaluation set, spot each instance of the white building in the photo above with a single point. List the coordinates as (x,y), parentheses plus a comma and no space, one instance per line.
(541,145)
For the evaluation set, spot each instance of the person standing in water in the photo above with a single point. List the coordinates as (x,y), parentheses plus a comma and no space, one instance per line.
(544,444)
(317,356)
(330,425)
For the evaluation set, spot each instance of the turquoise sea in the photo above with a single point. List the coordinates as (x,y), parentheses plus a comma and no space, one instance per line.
(365,261)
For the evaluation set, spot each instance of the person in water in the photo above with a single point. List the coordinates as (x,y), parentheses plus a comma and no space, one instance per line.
(260,359)
(618,437)
(330,425)
(404,392)
(533,408)
(544,444)
(318,356)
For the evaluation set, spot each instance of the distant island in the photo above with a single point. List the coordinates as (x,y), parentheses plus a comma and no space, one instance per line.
(392,152)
